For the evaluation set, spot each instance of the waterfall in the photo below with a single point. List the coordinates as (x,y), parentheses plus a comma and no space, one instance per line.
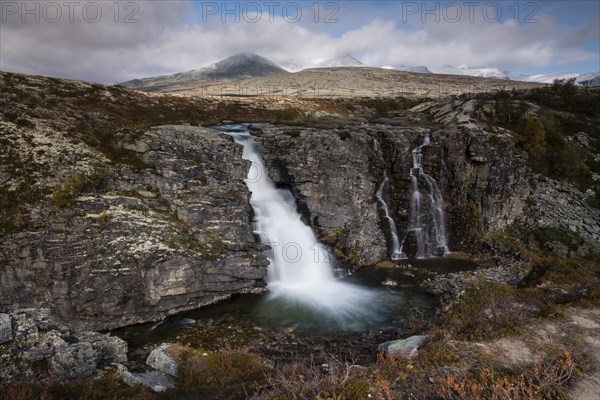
(300,270)
(396,250)
(426,209)
(379,195)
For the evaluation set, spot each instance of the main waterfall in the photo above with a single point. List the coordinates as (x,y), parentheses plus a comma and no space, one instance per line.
(427,220)
(300,272)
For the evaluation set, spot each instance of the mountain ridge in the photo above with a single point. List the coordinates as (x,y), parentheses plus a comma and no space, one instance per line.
(238,66)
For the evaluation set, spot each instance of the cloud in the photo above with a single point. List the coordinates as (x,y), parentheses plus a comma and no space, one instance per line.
(168,38)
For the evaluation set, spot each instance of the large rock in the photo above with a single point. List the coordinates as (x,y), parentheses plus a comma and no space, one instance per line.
(406,348)
(110,349)
(68,355)
(162,361)
(23,326)
(76,361)
(42,347)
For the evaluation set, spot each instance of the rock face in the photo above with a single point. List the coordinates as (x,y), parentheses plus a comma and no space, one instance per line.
(484,182)
(171,235)
(43,349)
(556,204)
(329,171)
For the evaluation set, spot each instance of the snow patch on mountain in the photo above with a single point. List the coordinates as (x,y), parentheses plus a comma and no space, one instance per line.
(590,79)
(344,61)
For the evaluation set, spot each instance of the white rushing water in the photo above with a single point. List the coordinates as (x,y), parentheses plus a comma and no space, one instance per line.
(300,271)
(396,253)
(426,209)
(396,250)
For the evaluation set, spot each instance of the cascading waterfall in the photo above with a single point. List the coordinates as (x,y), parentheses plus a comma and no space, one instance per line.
(396,250)
(300,270)
(426,209)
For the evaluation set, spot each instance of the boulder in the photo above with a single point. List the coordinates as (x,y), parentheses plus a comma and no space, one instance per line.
(161,360)
(74,361)
(406,348)
(42,347)
(23,326)
(110,349)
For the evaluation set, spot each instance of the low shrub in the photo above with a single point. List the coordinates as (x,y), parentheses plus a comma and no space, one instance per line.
(545,380)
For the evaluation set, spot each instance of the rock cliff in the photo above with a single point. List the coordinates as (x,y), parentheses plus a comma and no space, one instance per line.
(116,245)
(489,189)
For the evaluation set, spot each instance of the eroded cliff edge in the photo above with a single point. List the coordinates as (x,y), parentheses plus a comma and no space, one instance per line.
(118,245)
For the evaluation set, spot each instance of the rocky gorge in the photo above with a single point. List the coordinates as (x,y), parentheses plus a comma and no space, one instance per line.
(114,218)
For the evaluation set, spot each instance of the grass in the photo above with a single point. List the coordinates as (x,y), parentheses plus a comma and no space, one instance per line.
(104,219)
(488,310)
(108,388)
(218,375)
(64,195)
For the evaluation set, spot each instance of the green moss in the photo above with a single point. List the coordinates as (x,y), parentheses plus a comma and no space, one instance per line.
(552,312)
(64,195)
(333,238)
(354,389)
(474,209)
(344,135)
(487,310)
(508,240)
(214,246)
(572,240)
(294,133)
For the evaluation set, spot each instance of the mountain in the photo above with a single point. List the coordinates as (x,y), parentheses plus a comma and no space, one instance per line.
(238,66)
(590,79)
(479,72)
(421,69)
(344,61)
(543,78)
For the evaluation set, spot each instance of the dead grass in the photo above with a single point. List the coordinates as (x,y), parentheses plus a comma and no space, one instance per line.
(108,388)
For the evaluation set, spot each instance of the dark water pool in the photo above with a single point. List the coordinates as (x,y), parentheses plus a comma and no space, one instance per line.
(390,309)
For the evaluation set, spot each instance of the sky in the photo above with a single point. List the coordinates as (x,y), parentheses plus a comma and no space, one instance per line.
(116,40)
